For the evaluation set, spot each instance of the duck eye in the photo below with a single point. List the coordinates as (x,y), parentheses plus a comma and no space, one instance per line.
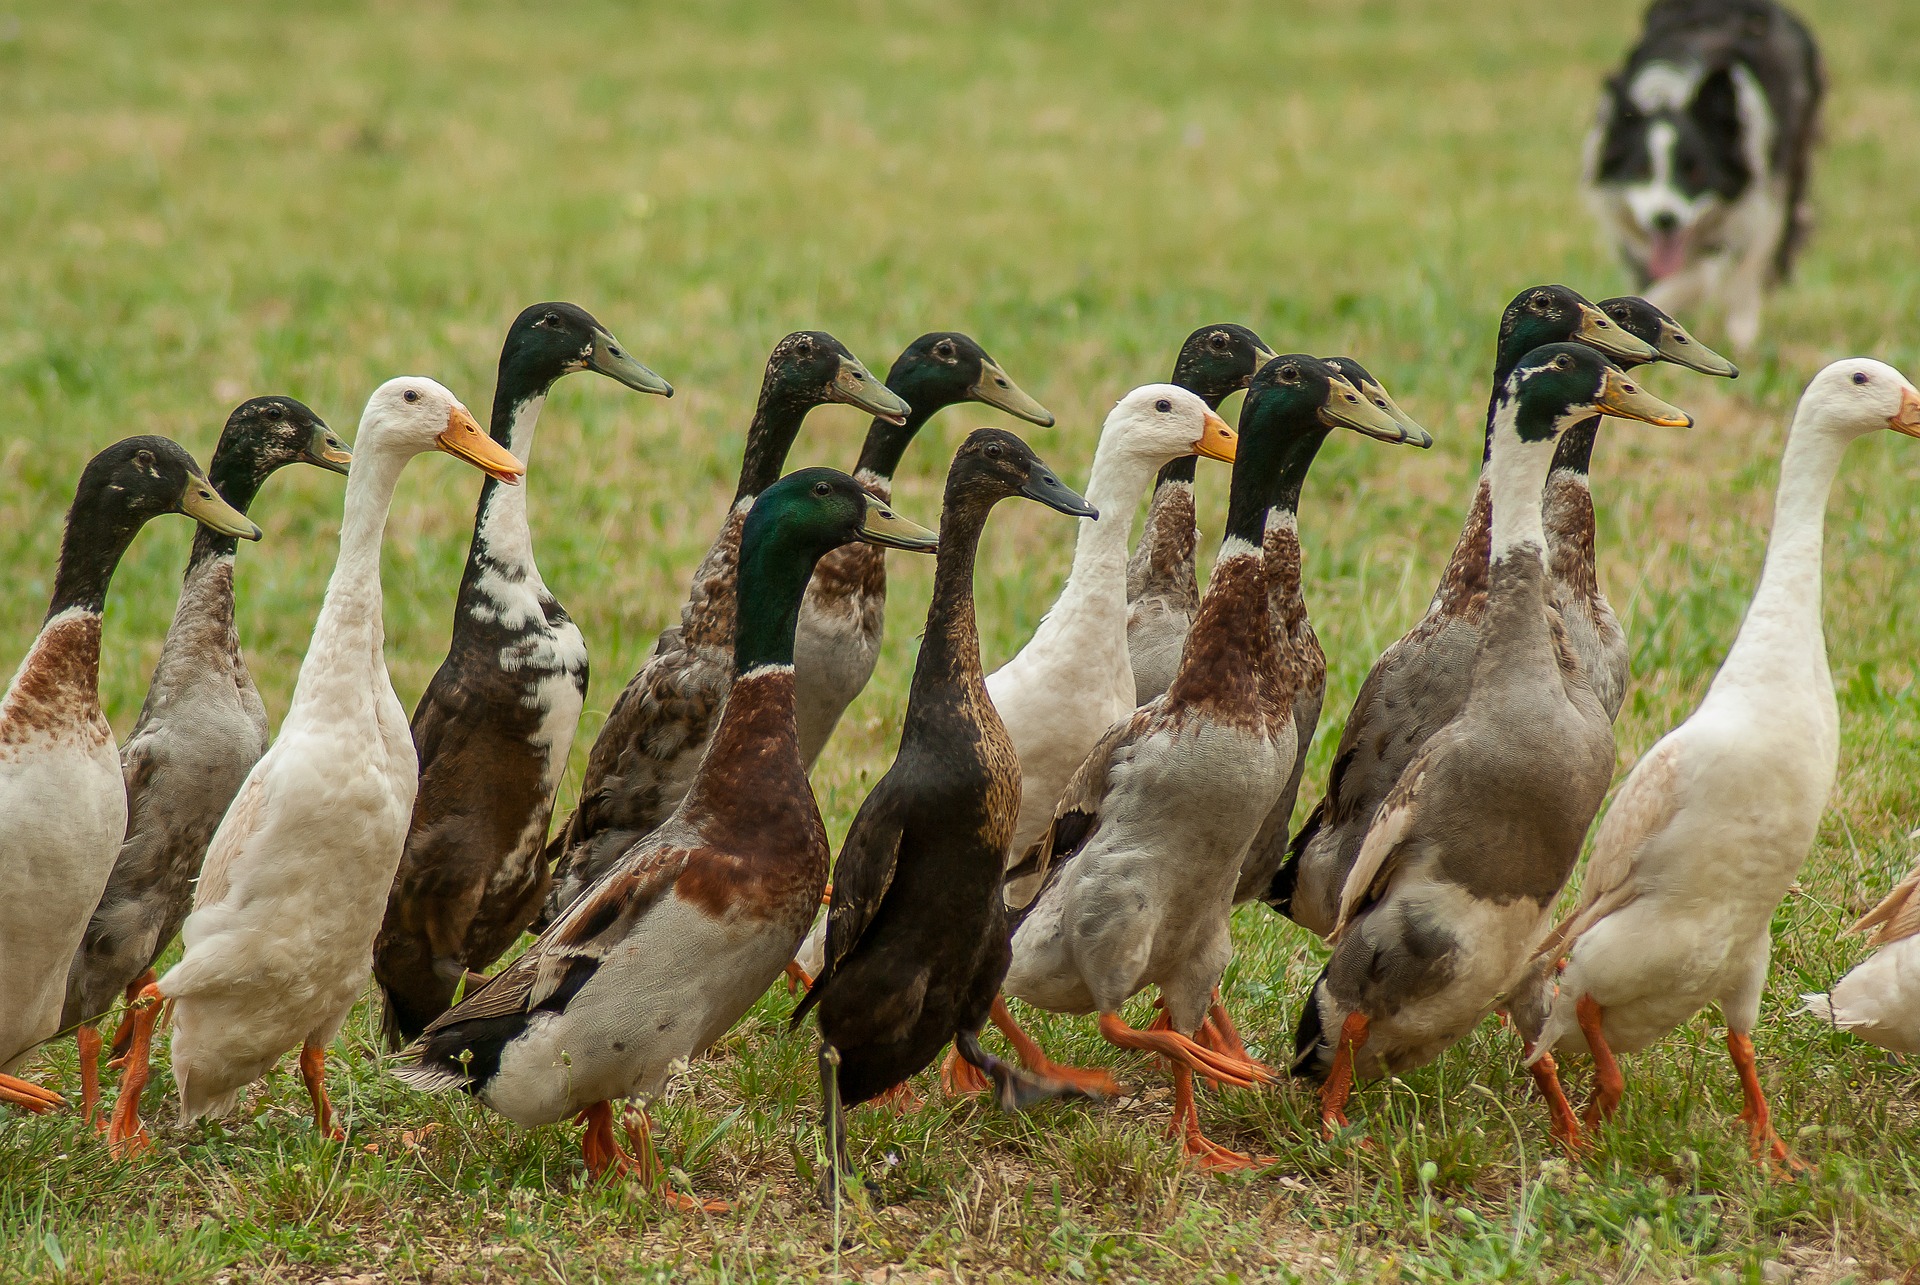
(550,319)
(943,349)
(1218,340)
(1859,376)
(1290,374)
(1562,362)
(822,489)
(412,394)
(993,451)
(275,412)
(1163,405)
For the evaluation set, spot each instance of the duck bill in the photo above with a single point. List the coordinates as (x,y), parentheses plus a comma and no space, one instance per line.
(1674,344)
(1044,487)
(326,451)
(996,390)
(1383,400)
(854,386)
(1596,331)
(1907,419)
(1622,397)
(616,363)
(1346,408)
(1217,441)
(203,504)
(884,527)
(463,440)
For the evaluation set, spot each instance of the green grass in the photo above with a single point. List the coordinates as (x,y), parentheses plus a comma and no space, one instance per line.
(204,204)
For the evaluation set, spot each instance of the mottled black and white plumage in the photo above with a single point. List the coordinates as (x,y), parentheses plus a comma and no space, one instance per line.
(1697,165)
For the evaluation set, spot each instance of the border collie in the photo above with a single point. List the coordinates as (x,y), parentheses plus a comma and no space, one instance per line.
(1697,163)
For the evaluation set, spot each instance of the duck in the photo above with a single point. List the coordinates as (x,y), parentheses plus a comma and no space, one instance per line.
(495,725)
(690,925)
(1300,650)
(917,930)
(1460,871)
(1573,584)
(279,944)
(1879,1000)
(1163,588)
(63,805)
(1713,824)
(649,749)
(1144,850)
(1418,683)
(200,731)
(843,619)
(1073,679)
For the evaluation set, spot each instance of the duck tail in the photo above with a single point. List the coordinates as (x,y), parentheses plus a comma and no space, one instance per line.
(1313,1048)
(1279,895)
(1819,1006)
(417,1068)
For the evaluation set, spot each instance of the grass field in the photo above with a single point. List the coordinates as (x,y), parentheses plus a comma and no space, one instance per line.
(200,203)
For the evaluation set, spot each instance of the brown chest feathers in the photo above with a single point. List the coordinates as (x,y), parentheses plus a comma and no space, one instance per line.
(57,691)
(1567,513)
(1463,586)
(1230,671)
(1163,562)
(707,621)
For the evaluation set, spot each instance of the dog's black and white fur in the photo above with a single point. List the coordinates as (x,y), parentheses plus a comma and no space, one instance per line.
(1697,165)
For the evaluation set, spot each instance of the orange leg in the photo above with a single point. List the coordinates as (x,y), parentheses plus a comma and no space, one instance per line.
(1185,1125)
(1339,1086)
(598,1147)
(901,1098)
(123,1034)
(960,1078)
(1546,1078)
(313,1071)
(28,1096)
(826,895)
(1085,1079)
(797,979)
(1608,1084)
(1181,1051)
(126,1136)
(1768,1150)
(647,1167)
(88,1038)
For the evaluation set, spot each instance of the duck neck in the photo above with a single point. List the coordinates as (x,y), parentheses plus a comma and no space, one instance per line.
(1280,528)
(350,615)
(772,580)
(950,647)
(1516,475)
(887,442)
(501,535)
(1782,642)
(776,422)
(97,537)
(238,480)
(1100,549)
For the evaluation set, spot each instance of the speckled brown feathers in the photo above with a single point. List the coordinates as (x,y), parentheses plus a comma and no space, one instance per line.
(57,691)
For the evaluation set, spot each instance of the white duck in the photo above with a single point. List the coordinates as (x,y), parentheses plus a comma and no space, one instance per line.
(1713,825)
(1073,680)
(63,807)
(280,941)
(1879,1001)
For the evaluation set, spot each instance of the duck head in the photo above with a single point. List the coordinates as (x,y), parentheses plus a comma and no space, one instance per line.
(1370,388)
(994,465)
(946,368)
(1217,361)
(549,340)
(1556,314)
(1558,385)
(1157,423)
(1859,395)
(411,415)
(1667,337)
(811,368)
(265,434)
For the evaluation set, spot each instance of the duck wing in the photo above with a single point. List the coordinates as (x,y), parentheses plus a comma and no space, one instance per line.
(1384,849)
(1898,914)
(861,878)
(1077,816)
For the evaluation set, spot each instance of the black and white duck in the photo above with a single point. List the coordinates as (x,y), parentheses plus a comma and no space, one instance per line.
(647,752)
(63,801)
(495,725)
(917,934)
(1468,853)
(843,619)
(200,731)
(690,924)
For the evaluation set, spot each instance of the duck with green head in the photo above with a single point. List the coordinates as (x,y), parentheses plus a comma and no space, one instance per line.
(496,723)
(843,618)
(691,924)
(63,800)
(649,748)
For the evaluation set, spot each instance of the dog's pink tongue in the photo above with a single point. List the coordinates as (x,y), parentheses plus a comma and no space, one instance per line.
(1669,255)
